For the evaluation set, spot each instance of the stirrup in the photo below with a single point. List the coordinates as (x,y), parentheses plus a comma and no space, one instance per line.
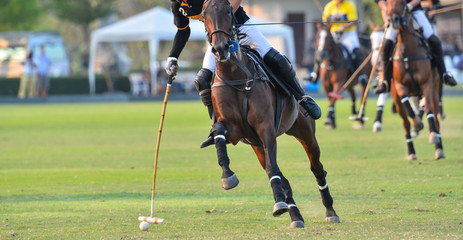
(311,107)
(449,79)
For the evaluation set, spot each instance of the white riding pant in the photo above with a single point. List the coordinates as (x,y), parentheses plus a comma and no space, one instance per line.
(419,21)
(375,39)
(253,38)
(349,39)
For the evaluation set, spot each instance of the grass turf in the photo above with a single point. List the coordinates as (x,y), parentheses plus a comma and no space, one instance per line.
(84,171)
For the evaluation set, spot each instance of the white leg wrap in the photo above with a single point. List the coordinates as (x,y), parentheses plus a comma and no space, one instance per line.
(220,136)
(323,187)
(292,205)
(275,177)
(430,115)
(381,99)
(409,140)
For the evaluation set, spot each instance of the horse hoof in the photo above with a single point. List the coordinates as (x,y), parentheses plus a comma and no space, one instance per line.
(327,121)
(297,224)
(230,182)
(333,219)
(439,154)
(357,126)
(433,138)
(377,127)
(414,134)
(412,157)
(279,208)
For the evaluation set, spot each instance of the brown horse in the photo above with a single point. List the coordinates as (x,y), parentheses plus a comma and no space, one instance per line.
(413,75)
(334,71)
(246,105)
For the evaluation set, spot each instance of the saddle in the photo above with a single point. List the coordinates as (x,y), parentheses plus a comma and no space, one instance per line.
(280,91)
(347,57)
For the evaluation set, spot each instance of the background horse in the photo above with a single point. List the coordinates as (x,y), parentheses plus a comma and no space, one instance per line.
(413,75)
(246,110)
(334,71)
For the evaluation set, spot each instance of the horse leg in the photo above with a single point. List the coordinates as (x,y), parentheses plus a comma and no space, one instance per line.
(377,125)
(441,103)
(415,120)
(401,109)
(354,111)
(421,111)
(296,218)
(353,98)
(304,132)
(431,106)
(229,179)
(267,134)
(330,117)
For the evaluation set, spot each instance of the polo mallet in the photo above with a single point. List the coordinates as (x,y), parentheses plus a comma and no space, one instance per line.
(152,218)
(359,117)
(337,94)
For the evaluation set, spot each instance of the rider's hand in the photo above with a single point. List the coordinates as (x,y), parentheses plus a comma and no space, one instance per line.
(171,66)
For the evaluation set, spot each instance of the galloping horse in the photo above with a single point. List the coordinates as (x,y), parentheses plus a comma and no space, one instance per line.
(334,71)
(413,75)
(246,108)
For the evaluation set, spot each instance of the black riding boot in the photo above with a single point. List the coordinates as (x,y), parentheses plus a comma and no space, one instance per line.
(358,60)
(313,77)
(436,49)
(282,68)
(384,85)
(203,85)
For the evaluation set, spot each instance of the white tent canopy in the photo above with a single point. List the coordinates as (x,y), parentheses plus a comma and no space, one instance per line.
(156,25)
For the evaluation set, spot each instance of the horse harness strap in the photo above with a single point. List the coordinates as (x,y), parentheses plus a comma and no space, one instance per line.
(405,60)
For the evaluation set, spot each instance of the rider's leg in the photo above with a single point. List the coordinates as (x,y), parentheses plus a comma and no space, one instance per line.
(281,66)
(422,22)
(203,85)
(436,49)
(384,85)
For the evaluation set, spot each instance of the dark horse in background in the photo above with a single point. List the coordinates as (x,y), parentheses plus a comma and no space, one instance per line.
(335,70)
(246,106)
(414,75)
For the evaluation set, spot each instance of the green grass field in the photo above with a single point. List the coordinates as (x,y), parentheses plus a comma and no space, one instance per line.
(84,171)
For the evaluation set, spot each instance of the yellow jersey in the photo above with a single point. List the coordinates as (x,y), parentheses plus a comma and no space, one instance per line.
(346,11)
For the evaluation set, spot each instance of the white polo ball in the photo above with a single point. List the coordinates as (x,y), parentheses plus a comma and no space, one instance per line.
(144,226)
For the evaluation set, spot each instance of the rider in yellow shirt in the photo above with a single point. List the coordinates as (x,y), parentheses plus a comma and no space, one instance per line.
(343,10)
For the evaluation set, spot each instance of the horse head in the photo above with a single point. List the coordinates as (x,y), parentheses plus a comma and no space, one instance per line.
(397,13)
(218,20)
(324,40)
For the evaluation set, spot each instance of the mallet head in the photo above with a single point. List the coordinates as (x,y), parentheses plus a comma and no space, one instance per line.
(150,219)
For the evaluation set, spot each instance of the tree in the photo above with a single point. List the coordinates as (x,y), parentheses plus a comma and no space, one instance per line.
(19,14)
(82,13)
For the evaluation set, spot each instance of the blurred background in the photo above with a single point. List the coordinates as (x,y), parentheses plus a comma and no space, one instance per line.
(128,63)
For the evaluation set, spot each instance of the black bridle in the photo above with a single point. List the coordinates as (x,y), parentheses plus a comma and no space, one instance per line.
(404,17)
(231,34)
